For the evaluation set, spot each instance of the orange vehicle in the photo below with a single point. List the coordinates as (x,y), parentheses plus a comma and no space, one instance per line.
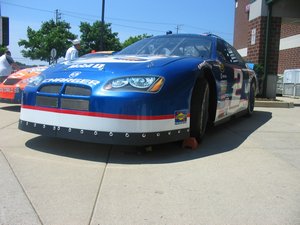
(11,89)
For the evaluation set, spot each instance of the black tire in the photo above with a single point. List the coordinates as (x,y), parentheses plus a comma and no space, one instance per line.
(199,109)
(251,99)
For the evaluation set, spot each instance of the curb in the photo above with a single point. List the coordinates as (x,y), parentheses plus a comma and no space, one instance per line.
(274,104)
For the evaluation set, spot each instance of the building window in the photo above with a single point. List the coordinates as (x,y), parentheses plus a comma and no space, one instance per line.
(253,36)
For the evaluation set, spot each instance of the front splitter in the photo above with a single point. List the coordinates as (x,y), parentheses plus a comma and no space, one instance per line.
(114,138)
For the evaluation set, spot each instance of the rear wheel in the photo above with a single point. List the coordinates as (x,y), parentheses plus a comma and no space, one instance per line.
(199,109)
(251,99)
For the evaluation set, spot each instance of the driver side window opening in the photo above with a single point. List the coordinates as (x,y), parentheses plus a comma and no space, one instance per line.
(228,54)
(222,52)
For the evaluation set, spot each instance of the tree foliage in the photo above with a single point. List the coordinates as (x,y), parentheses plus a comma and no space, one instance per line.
(96,36)
(3,49)
(50,35)
(92,35)
(259,70)
(134,39)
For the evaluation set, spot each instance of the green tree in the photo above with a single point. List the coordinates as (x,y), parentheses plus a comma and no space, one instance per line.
(3,49)
(134,39)
(50,35)
(91,37)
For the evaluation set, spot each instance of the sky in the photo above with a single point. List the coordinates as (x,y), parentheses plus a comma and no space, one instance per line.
(127,18)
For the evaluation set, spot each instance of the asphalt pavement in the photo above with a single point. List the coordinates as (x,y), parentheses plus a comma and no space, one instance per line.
(246,171)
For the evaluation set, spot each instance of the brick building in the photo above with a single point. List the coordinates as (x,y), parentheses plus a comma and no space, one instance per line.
(267,32)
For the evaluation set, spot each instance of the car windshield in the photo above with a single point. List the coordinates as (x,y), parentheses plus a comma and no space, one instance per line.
(171,46)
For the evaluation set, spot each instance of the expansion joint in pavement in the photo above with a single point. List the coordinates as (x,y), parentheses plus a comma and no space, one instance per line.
(23,190)
(100,183)
(8,125)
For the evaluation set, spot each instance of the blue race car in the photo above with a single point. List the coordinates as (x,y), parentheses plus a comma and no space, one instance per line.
(157,90)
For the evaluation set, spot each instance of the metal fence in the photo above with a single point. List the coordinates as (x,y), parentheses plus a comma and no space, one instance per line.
(291,89)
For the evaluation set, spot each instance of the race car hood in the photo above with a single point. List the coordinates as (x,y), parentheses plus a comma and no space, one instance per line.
(27,73)
(93,71)
(114,64)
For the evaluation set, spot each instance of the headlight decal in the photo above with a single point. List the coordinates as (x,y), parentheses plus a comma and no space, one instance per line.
(141,82)
(118,83)
(35,81)
(157,86)
(135,83)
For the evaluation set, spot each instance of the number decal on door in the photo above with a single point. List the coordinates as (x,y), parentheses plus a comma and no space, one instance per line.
(236,90)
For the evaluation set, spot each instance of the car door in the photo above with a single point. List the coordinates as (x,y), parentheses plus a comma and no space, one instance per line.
(234,81)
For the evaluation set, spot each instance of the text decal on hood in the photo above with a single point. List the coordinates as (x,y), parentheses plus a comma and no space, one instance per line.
(73,80)
(99,66)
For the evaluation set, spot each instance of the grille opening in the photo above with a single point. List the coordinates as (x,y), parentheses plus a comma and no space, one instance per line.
(77,90)
(54,89)
(75,104)
(47,101)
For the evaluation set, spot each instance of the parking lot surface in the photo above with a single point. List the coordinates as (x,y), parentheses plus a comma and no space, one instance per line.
(246,171)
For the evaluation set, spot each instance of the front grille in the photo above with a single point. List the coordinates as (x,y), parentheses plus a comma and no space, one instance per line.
(11,81)
(59,96)
(47,101)
(75,104)
(76,90)
(53,89)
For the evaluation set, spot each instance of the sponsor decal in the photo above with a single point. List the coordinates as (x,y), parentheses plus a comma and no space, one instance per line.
(220,65)
(17,75)
(223,76)
(222,68)
(223,86)
(74,74)
(204,63)
(9,90)
(98,66)
(73,80)
(181,116)
(37,69)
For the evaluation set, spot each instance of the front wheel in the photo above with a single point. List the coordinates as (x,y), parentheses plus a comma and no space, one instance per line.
(199,109)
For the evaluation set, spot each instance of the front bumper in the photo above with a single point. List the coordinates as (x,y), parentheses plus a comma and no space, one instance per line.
(125,118)
(103,128)
(11,95)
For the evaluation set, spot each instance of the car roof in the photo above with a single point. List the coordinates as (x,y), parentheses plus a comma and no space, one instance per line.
(208,35)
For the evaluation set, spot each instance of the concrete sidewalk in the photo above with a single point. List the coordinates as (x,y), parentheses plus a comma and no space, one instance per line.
(279,102)
(295,100)
(245,172)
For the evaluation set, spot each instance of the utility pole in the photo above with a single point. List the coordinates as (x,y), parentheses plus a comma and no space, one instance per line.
(4,30)
(103,9)
(102,27)
(57,16)
(178,27)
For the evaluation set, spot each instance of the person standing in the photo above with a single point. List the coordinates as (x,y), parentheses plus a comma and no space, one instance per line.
(7,65)
(72,52)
